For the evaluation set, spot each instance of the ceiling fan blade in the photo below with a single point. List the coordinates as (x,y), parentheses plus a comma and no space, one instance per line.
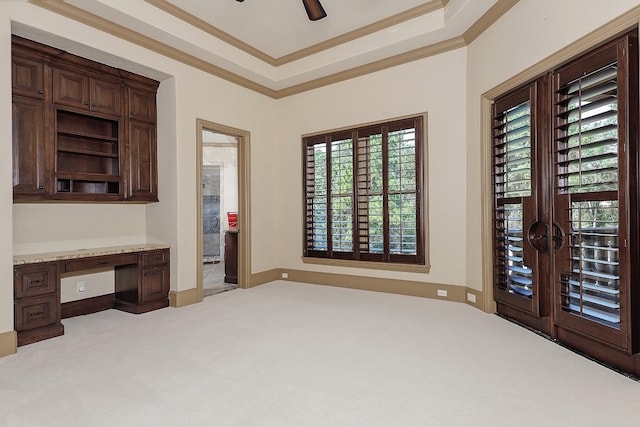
(314,9)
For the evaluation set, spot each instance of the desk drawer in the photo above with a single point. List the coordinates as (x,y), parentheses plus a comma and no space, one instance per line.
(32,313)
(92,263)
(152,258)
(35,279)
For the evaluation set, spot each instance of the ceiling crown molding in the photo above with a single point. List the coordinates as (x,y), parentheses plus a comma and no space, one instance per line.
(65,9)
(372,28)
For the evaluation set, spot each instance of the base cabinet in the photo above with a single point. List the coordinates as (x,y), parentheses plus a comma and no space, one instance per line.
(36,302)
(142,283)
(145,286)
(231,256)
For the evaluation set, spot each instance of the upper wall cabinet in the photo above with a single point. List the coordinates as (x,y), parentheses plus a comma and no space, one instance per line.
(82,131)
(27,77)
(88,93)
(141,103)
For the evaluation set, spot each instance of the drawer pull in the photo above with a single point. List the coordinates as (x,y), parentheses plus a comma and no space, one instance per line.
(35,314)
(102,262)
(36,282)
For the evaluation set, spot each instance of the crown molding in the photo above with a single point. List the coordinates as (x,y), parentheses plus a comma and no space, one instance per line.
(65,9)
(201,24)
(372,67)
(487,20)
(189,18)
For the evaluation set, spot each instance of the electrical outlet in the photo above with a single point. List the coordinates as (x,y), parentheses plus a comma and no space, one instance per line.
(442,292)
(80,286)
(285,275)
(471,297)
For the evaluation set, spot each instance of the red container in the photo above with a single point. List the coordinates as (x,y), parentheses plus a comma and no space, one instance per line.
(232,219)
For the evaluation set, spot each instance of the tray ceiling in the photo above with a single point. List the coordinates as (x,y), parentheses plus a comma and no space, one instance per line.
(271,46)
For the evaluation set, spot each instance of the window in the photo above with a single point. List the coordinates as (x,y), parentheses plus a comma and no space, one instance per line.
(363,193)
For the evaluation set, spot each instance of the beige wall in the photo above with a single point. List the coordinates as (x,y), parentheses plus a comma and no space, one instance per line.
(435,85)
(529,32)
(6,193)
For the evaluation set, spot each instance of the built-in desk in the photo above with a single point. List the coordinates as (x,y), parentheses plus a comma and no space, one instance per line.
(141,285)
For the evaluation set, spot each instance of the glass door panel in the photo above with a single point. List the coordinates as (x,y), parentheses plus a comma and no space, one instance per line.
(590,202)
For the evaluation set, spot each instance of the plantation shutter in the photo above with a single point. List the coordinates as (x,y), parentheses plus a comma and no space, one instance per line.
(341,195)
(316,198)
(403,197)
(590,151)
(516,276)
(370,196)
(363,196)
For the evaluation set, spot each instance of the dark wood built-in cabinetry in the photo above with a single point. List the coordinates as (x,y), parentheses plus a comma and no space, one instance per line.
(231,256)
(37,302)
(82,131)
(141,285)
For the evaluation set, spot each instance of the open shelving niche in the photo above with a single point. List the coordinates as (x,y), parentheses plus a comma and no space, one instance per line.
(87,154)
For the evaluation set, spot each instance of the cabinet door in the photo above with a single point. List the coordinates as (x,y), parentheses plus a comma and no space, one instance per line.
(142,104)
(27,77)
(231,257)
(70,88)
(29,151)
(106,97)
(143,163)
(155,284)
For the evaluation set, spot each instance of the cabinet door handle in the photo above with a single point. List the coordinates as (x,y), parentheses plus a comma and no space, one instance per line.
(40,187)
(93,105)
(133,113)
(86,103)
(40,91)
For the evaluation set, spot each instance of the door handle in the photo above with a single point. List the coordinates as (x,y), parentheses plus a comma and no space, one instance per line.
(558,237)
(538,236)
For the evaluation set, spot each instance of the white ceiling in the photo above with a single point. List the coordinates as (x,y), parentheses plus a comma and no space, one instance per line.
(273,45)
(281,27)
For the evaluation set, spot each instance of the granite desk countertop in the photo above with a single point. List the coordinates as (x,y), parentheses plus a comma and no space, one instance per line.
(85,253)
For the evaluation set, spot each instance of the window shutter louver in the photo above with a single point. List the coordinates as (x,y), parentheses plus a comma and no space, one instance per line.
(587,180)
(363,193)
(588,148)
(402,191)
(342,195)
(370,197)
(512,185)
(316,227)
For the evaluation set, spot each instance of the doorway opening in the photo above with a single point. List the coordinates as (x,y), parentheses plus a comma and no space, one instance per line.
(223,226)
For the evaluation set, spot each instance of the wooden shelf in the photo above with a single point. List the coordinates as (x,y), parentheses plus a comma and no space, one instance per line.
(87,135)
(87,176)
(87,156)
(87,152)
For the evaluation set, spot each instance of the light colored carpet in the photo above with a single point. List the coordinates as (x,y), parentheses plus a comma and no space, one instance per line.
(290,354)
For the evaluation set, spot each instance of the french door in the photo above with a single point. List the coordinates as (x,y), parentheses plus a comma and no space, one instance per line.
(565,187)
